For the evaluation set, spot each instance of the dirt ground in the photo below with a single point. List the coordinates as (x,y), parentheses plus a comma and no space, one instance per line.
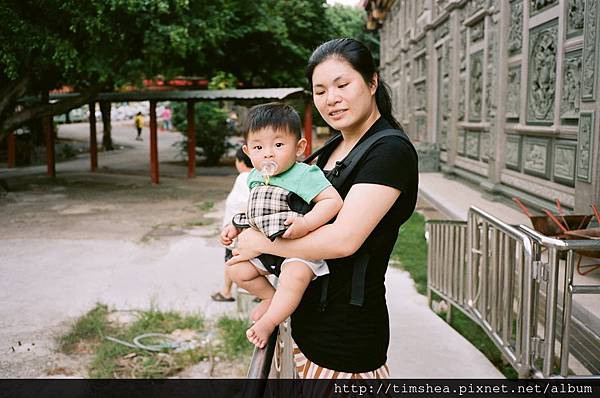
(111,236)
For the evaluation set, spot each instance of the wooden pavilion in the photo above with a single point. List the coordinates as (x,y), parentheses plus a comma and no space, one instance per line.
(189,96)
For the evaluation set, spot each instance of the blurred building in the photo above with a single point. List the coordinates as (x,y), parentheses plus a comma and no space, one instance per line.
(507,90)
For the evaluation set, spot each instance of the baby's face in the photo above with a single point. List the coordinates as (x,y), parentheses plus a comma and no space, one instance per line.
(277,146)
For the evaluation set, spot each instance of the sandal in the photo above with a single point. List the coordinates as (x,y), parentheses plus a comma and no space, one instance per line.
(219,297)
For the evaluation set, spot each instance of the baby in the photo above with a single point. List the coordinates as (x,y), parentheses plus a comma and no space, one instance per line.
(273,142)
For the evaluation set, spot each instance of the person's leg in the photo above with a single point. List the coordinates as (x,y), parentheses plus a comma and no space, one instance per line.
(248,277)
(293,280)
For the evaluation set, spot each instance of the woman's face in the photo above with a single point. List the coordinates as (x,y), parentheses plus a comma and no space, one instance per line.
(341,95)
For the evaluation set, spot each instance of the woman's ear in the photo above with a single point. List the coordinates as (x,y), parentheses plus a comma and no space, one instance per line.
(374,83)
(301,146)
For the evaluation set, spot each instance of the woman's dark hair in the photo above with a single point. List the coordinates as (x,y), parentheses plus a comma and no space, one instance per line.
(359,57)
(242,157)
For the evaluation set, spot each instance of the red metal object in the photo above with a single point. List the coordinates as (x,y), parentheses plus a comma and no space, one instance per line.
(153,144)
(522,206)
(49,138)
(596,212)
(308,120)
(11,144)
(93,141)
(191,131)
(555,220)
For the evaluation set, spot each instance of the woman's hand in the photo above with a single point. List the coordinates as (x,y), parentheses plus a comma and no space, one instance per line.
(248,246)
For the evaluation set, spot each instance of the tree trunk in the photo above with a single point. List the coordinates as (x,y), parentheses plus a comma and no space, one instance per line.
(106,126)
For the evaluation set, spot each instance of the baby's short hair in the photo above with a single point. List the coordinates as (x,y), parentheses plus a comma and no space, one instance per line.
(278,116)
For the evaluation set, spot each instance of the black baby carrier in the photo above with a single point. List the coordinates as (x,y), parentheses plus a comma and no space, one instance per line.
(337,177)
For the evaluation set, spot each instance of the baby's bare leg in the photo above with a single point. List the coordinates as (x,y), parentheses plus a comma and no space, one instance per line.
(293,280)
(252,279)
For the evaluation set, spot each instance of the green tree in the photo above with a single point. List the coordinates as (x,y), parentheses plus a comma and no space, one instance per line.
(345,21)
(211,129)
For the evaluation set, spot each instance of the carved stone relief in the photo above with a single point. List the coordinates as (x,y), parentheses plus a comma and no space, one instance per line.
(472,145)
(490,98)
(461,142)
(513,152)
(421,98)
(441,31)
(564,162)
(536,155)
(516,27)
(569,105)
(575,17)
(476,5)
(477,31)
(513,100)
(476,86)
(588,83)
(421,66)
(420,45)
(542,73)
(485,147)
(446,59)
(463,49)
(421,126)
(461,98)
(585,140)
(537,6)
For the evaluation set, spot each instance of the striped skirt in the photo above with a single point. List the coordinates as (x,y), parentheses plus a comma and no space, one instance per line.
(309,370)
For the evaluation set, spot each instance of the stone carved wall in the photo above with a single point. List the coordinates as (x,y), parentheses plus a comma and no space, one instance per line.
(476,86)
(569,108)
(548,125)
(515,35)
(542,73)
(588,84)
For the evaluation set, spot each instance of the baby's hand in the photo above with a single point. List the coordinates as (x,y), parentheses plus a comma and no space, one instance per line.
(298,227)
(228,235)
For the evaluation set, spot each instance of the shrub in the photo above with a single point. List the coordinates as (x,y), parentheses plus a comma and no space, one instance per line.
(211,129)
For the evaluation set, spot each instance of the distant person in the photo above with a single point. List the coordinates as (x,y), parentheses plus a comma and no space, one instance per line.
(273,141)
(236,202)
(139,123)
(166,118)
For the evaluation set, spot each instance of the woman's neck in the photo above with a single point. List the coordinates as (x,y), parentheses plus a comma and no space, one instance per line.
(354,134)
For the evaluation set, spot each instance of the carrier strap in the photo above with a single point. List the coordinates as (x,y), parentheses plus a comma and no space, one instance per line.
(340,173)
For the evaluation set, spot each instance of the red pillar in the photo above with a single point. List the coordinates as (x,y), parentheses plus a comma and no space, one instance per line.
(49,138)
(191,131)
(93,142)
(308,127)
(153,144)
(11,145)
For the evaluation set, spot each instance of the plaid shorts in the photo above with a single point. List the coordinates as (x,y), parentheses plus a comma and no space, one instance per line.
(268,208)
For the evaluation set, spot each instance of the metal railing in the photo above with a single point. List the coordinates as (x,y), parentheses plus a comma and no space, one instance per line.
(548,259)
(481,267)
(496,275)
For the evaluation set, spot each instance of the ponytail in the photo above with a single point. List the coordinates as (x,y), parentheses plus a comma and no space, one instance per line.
(384,104)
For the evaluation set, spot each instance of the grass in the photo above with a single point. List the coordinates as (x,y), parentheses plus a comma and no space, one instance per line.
(90,327)
(410,253)
(205,206)
(114,360)
(410,250)
(233,334)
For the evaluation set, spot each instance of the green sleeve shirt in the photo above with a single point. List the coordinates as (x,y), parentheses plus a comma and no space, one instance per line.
(306,181)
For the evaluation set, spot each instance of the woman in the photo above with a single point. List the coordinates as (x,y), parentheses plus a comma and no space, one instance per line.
(342,339)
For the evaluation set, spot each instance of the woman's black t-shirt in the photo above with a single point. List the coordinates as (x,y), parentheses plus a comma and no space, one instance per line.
(346,337)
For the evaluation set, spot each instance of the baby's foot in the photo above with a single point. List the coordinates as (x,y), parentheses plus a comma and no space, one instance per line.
(260,310)
(259,333)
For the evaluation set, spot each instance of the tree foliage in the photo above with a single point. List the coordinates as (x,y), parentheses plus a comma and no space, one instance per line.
(103,45)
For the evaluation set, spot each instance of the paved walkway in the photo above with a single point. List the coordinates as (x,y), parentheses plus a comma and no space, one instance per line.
(46,282)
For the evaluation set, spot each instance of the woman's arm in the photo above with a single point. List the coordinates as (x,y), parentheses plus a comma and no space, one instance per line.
(364,207)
